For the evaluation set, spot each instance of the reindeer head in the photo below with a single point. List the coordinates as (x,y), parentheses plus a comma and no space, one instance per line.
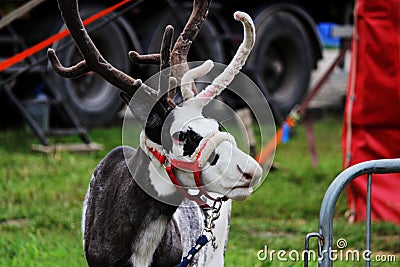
(176,130)
(225,169)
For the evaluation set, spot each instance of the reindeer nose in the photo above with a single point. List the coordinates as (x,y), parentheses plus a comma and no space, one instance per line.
(250,173)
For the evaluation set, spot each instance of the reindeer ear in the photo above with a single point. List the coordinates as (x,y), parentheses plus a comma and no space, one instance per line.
(149,111)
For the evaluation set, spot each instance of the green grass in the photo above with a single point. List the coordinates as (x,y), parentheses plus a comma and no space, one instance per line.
(41,199)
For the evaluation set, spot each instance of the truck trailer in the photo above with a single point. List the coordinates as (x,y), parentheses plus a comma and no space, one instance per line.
(287,50)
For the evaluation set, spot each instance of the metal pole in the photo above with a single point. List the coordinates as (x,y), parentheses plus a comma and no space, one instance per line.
(368,221)
(307,246)
(19,12)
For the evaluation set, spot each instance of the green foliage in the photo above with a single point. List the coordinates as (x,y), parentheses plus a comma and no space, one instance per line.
(41,199)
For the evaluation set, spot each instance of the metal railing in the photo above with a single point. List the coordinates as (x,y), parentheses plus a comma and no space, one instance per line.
(325,229)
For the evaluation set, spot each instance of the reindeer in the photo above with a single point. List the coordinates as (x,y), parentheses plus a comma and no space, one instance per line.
(134,193)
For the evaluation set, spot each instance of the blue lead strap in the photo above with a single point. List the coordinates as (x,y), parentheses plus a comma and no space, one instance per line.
(201,242)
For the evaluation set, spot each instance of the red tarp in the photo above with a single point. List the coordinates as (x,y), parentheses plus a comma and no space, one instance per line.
(372,114)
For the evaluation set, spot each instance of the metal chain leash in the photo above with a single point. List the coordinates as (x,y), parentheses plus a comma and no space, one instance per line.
(209,224)
(207,234)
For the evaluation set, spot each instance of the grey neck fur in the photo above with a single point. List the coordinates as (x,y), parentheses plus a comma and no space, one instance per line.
(134,221)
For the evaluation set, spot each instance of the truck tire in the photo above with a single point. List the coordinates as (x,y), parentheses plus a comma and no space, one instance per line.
(94,101)
(282,60)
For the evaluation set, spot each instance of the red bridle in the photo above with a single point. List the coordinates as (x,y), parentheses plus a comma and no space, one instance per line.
(187,166)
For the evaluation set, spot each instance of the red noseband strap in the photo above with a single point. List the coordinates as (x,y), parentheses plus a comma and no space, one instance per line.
(187,166)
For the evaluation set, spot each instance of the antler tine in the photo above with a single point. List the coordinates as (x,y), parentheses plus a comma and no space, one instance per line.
(93,60)
(165,54)
(162,59)
(184,41)
(71,72)
(190,75)
(237,62)
(166,45)
(137,58)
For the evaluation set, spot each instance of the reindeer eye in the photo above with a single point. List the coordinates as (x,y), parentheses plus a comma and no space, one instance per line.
(179,136)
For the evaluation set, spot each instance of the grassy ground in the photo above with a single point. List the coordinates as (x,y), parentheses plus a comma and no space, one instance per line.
(41,198)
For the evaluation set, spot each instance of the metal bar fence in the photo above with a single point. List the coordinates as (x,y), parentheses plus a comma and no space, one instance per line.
(325,231)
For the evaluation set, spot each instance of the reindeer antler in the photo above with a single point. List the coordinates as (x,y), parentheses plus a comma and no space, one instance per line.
(237,62)
(176,58)
(226,77)
(184,41)
(93,60)
(179,53)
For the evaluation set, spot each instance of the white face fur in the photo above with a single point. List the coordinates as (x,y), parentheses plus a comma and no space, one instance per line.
(229,171)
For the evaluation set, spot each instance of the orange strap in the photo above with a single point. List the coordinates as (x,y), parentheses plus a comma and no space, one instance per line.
(58,36)
(268,150)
